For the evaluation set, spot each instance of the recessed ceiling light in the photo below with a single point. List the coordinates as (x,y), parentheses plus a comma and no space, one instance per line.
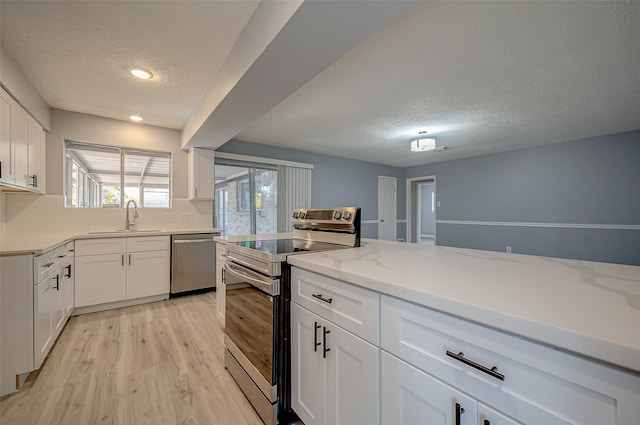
(143,74)
(135,118)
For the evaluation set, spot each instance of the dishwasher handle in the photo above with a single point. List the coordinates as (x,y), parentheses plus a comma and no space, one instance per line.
(192,240)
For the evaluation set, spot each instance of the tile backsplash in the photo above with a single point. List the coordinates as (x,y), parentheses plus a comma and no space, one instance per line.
(24,214)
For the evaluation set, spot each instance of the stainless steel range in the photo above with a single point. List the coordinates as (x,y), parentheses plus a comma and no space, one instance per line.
(258,293)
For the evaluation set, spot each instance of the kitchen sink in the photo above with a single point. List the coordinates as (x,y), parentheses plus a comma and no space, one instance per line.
(123,231)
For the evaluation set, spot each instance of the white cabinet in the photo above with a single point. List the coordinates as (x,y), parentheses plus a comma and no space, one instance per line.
(6,163)
(43,319)
(16,321)
(36,156)
(147,273)
(335,373)
(411,396)
(51,293)
(22,149)
(221,252)
(201,179)
(509,379)
(68,276)
(116,269)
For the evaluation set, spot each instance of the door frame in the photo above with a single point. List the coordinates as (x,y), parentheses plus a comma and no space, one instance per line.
(410,201)
(395,205)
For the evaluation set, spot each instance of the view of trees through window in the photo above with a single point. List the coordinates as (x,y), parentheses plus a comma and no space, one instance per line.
(96,174)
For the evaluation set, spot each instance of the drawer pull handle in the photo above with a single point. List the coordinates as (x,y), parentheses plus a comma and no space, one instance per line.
(493,371)
(47,265)
(321,298)
(316,326)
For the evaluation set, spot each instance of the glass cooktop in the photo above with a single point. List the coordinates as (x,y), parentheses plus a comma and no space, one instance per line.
(287,246)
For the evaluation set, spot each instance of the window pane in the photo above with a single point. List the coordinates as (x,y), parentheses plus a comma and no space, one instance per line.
(266,195)
(93,164)
(147,178)
(94,175)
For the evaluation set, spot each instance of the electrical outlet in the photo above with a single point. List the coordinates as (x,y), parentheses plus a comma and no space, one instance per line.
(508,249)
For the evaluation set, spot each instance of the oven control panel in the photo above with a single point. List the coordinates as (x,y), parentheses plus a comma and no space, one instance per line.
(319,216)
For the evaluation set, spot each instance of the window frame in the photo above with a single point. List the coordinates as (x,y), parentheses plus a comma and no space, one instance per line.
(88,191)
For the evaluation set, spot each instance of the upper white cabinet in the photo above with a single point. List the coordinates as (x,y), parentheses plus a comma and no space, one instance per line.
(201,174)
(22,148)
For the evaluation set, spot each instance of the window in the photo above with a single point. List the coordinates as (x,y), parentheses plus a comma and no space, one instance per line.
(96,174)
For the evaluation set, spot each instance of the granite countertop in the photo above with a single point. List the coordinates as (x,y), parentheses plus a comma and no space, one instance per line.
(588,308)
(37,243)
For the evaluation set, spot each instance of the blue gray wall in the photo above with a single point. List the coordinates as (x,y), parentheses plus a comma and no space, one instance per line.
(335,181)
(576,184)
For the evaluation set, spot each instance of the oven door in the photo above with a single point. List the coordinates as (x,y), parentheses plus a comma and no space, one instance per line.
(251,313)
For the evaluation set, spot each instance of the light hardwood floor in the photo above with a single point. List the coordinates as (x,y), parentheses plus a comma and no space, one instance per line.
(158,363)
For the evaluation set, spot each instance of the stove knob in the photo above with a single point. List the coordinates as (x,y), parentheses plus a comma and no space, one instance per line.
(346,215)
(302,215)
(295,214)
(337,215)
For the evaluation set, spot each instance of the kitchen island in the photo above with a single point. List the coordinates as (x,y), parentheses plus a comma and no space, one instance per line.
(565,330)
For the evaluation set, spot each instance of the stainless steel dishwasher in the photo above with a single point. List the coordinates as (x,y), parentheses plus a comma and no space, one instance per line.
(193,263)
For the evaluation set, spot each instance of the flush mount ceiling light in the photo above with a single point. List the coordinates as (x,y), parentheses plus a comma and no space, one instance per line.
(422,143)
(135,118)
(141,73)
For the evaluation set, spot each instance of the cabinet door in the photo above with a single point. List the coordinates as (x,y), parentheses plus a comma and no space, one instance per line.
(147,273)
(19,145)
(43,320)
(6,164)
(35,154)
(201,175)
(410,396)
(352,370)
(68,273)
(489,416)
(307,366)
(100,279)
(57,302)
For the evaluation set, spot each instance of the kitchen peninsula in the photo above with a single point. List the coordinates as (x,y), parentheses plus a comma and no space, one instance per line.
(525,338)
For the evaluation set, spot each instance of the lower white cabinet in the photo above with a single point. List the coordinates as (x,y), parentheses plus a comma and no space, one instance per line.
(411,396)
(335,373)
(52,291)
(508,380)
(43,319)
(148,273)
(116,269)
(100,279)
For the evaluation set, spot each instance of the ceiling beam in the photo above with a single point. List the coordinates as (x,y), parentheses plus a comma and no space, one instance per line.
(316,36)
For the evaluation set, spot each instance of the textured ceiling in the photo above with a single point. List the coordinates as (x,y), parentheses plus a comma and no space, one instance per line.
(481,77)
(78,54)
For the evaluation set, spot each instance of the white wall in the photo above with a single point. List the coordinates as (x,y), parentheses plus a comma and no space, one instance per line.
(26,214)
(14,80)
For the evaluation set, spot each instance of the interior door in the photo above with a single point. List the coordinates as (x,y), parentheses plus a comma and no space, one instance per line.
(387,201)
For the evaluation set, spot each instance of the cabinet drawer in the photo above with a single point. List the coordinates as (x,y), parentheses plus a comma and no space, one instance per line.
(351,307)
(148,243)
(69,249)
(43,265)
(59,253)
(534,375)
(100,246)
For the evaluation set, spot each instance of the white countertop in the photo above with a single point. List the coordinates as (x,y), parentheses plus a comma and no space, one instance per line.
(37,243)
(588,308)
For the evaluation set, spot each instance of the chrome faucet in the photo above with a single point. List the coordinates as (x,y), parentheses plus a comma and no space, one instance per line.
(131,224)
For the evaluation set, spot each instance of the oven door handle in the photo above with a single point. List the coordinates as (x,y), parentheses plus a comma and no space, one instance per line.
(272,287)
